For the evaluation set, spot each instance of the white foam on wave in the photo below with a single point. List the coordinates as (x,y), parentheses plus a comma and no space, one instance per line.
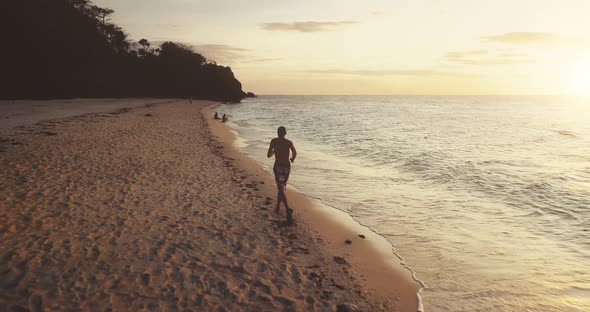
(319,202)
(436,175)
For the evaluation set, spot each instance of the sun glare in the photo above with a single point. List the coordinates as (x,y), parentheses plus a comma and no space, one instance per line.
(576,78)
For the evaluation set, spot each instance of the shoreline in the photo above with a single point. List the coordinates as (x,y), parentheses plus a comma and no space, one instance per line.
(136,206)
(374,258)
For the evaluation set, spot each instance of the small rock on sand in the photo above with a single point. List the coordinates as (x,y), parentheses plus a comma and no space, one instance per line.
(348,242)
(362,236)
(340,260)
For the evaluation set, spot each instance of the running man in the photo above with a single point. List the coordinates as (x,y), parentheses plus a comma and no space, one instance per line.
(280,147)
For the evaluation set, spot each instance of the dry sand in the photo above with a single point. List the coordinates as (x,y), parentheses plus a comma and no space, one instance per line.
(142,209)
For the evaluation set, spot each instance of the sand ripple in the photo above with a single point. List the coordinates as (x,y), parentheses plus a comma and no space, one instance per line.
(128,211)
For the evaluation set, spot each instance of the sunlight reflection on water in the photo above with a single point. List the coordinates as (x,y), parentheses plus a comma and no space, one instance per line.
(487,198)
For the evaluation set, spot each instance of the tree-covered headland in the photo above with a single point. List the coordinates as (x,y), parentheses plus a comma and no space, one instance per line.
(70,49)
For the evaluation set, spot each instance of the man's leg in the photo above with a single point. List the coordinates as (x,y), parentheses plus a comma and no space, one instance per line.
(283,197)
(281,177)
(287,209)
(278,181)
(279,199)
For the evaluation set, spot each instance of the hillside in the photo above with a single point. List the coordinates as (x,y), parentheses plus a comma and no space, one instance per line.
(70,49)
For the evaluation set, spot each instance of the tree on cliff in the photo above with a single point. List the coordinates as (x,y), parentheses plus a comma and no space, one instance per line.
(102,13)
(83,54)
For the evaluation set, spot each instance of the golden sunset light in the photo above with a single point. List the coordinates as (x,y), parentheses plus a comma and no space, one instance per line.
(381,47)
(295,155)
(575,79)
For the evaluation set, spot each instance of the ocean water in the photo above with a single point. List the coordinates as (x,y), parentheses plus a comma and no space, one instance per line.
(487,198)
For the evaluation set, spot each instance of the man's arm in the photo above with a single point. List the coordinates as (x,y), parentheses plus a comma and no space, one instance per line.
(293,151)
(271,150)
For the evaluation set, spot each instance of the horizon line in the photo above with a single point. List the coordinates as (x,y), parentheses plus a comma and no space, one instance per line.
(434,94)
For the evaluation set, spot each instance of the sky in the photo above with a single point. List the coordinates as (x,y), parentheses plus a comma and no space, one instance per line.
(379,46)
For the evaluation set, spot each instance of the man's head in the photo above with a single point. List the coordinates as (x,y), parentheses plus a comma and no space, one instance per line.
(281,131)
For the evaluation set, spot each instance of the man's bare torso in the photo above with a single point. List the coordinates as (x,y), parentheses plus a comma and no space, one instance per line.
(281,147)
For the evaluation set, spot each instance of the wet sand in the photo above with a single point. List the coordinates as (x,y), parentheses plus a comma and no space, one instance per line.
(370,257)
(136,206)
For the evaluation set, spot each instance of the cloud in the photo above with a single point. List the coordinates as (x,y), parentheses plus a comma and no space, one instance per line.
(389,72)
(260,60)
(307,27)
(221,53)
(226,54)
(540,39)
(466,53)
(484,57)
(497,61)
(172,26)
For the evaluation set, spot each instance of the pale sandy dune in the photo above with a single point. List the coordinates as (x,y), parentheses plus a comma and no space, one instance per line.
(128,212)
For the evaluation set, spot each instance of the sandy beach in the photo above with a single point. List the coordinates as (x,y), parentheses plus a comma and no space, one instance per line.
(143,204)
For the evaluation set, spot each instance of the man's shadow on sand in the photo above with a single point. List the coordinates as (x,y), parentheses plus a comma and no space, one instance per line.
(284,223)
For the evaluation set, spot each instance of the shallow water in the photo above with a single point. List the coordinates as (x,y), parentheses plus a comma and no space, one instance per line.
(487,198)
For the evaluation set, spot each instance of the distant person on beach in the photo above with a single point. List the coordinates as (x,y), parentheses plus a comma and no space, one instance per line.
(215,116)
(280,147)
(190,99)
(224,118)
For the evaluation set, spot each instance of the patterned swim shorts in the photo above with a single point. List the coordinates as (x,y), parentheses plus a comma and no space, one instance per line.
(281,172)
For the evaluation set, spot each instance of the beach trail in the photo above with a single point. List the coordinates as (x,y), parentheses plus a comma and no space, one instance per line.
(139,208)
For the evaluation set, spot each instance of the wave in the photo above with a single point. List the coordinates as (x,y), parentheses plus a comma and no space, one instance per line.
(435,185)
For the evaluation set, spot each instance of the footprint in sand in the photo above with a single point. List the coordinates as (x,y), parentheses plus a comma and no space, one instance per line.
(120,221)
(284,301)
(36,303)
(262,267)
(94,253)
(145,279)
(262,286)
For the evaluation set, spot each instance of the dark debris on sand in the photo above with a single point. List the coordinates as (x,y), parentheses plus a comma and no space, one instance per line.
(340,260)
